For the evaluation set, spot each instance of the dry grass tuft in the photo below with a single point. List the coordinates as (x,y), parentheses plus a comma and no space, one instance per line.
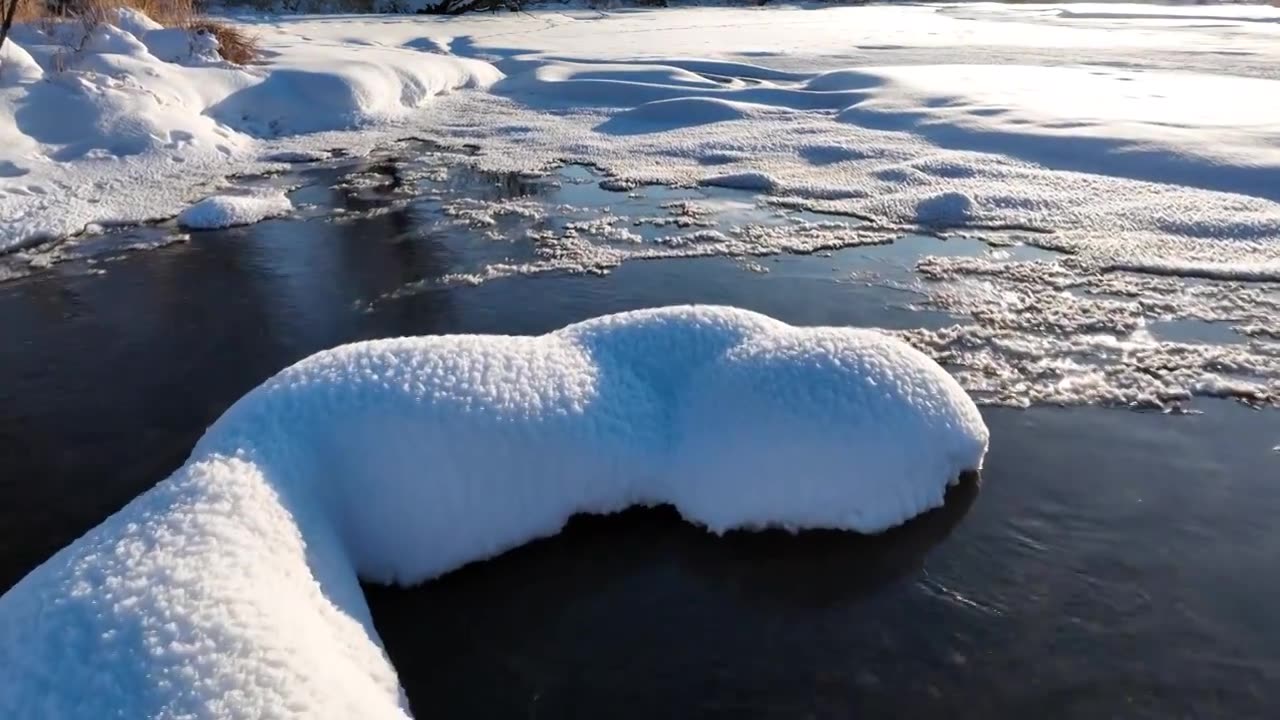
(170,13)
(234,45)
(28,10)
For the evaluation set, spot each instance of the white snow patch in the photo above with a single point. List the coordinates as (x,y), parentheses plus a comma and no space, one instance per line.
(223,211)
(230,589)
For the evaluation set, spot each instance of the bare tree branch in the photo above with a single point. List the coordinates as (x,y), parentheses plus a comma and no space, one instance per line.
(10,9)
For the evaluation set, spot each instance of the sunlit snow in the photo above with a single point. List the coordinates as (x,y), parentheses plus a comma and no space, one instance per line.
(221,211)
(1131,142)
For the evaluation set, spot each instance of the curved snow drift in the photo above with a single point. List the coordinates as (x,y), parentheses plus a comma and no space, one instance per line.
(230,589)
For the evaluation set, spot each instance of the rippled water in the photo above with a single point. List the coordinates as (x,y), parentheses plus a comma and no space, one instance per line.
(1110,564)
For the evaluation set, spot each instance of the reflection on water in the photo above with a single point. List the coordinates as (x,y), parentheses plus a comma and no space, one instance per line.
(1095,576)
(613,604)
(1114,564)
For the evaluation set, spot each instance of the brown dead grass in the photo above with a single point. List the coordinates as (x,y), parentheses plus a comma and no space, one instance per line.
(234,44)
(170,13)
(28,10)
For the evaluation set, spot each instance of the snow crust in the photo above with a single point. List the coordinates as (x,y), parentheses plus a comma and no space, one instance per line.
(1018,321)
(1070,331)
(222,211)
(230,589)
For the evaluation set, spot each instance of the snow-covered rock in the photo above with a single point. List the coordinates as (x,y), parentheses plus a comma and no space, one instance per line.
(230,589)
(223,211)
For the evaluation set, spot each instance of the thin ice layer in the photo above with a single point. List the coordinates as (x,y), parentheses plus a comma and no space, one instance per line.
(230,590)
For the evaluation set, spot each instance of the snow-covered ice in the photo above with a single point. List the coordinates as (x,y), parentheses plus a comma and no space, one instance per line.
(1130,140)
(223,211)
(1144,134)
(230,589)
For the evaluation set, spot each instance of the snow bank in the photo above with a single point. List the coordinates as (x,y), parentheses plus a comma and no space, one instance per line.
(1181,128)
(134,117)
(317,88)
(1139,133)
(223,211)
(1133,138)
(230,589)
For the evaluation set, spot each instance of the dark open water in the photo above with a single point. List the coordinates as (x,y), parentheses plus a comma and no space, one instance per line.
(1112,564)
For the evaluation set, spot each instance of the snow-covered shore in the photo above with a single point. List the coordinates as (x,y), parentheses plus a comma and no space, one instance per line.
(1141,135)
(1138,145)
(133,122)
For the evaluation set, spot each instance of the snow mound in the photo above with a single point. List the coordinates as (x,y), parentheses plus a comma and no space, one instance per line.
(311,93)
(17,66)
(677,113)
(230,589)
(944,210)
(223,211)
(749,180)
